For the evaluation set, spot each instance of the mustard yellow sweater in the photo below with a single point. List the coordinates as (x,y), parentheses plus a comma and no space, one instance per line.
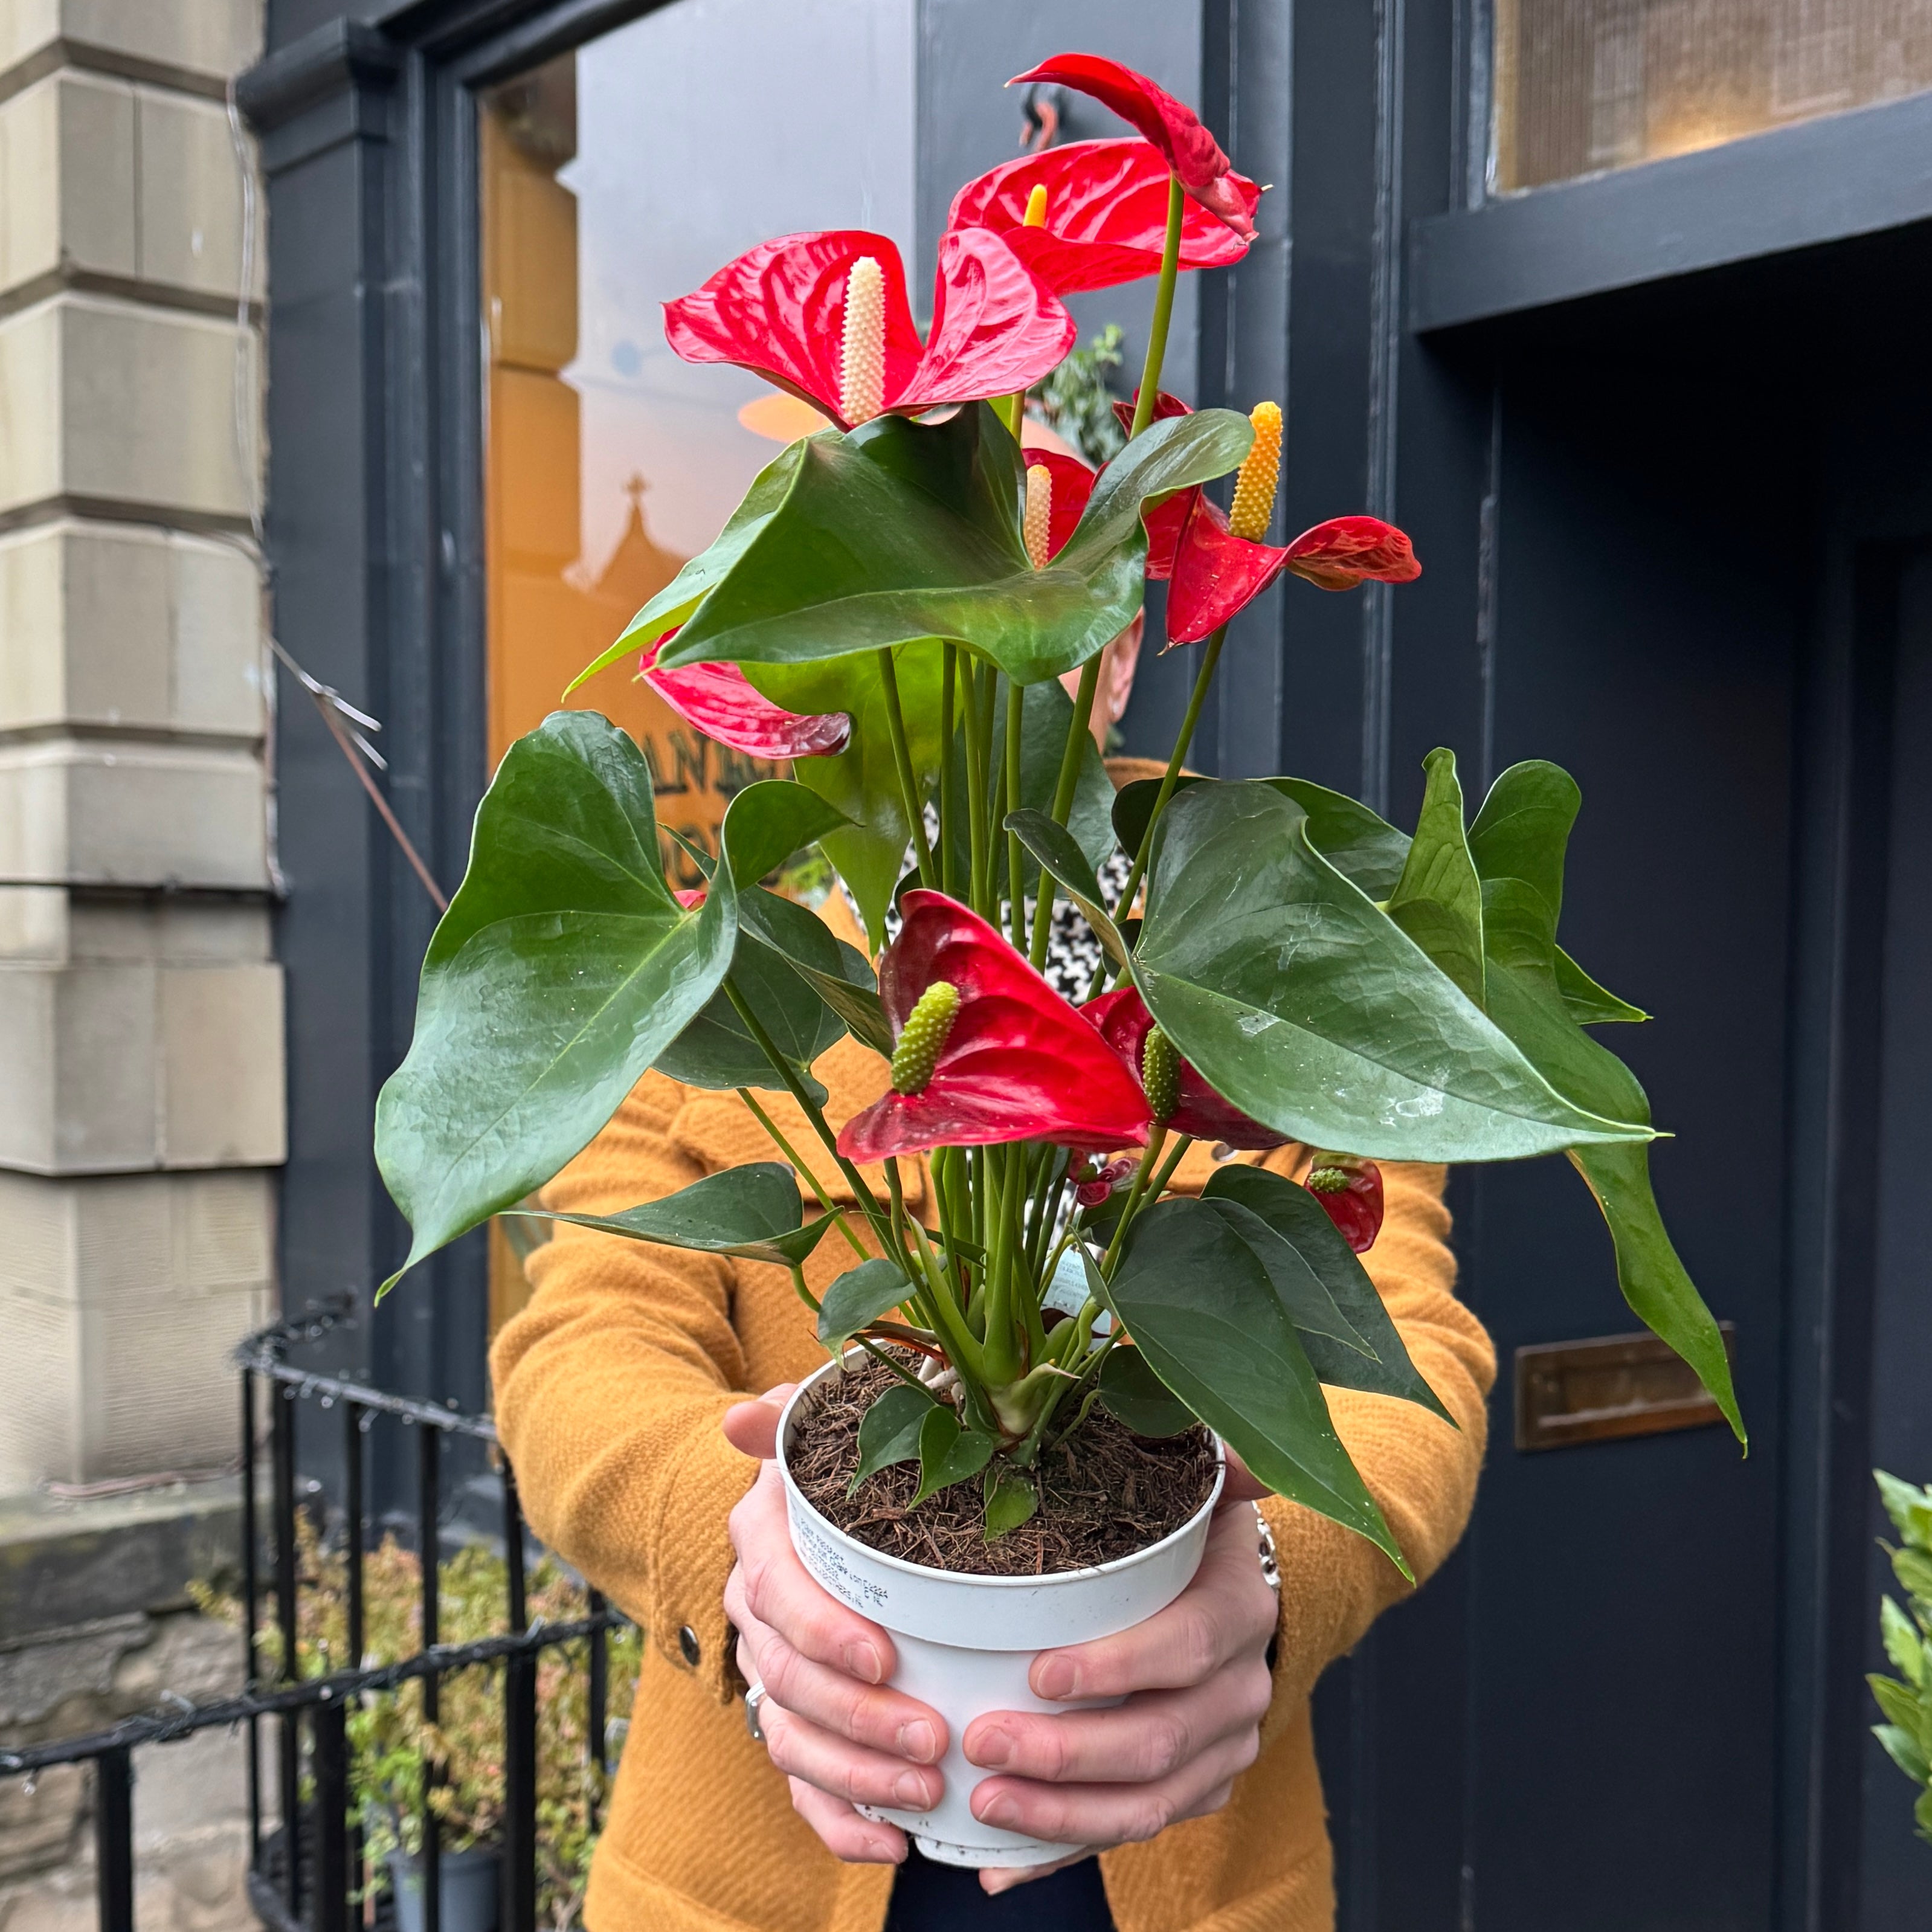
(610,1386)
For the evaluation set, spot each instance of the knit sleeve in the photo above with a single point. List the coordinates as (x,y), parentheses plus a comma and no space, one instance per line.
(1422,1472)
(610,1385)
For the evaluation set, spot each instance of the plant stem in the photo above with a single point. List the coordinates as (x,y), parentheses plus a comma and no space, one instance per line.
(1163,312)
(961,1348)
(976,793)
(1176,759)
(1078,728)
(948,805)
(915,808)
(1158,1184)
(1149,1154)
(804,1294)
(1002,1351)
(1015,726)
(811,1179)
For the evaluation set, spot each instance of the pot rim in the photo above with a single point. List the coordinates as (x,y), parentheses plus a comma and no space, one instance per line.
(1111,1566)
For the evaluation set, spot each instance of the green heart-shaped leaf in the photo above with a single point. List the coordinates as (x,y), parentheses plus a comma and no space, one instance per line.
(1009,1497)
(902,530)
(752,1213)
(717,1050)
(1438,900)
(1200,1308)
(561,970)
(947,1453)
(858,1298)
(1304,1295)
(1133,1394)
(1298,999)
(889,1431)
(838,973)
(768,821)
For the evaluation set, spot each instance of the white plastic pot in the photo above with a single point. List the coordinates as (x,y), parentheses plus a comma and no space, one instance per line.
(965,1643)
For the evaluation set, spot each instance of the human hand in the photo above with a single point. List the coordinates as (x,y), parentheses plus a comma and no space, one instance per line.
(1197,1683)
(840,1737)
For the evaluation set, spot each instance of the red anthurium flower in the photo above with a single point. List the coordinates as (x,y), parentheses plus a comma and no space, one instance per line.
(1350,1190)
(689,897)
(1072,484)
(1217,574)
(780,309)
(720,701)
(1166,520)
(987,1050)
(1123,1020)
(1193,156)
(1106,214)
(1093,1183)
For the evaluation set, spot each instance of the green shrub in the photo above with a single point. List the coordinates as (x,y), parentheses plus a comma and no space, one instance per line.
(1906,1733)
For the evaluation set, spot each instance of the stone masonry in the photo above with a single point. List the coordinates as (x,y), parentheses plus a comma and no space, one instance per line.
(141,1047)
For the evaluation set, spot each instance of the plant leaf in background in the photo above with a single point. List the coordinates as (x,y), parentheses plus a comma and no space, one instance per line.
(753,1212)
(1301,1002)
(947,1453)
(563,968)
(1299,1219)
(858,1298)
(1009,1497)
(1438,900)
(839,974)
(768,821)
(1202,1311)
(1906,1735)
(1132,1393)
(901,531)
(1052,846)
(889,1431)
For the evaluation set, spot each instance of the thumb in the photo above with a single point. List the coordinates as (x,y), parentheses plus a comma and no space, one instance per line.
(1240,1486)
(751,1428)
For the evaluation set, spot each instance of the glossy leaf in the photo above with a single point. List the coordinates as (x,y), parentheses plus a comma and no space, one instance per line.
(1902,1747)
(838,973)
(752,1213)
(716,1050)
(948,1453)
(1303,1004)
(1298,1218)
(1133,1394)
(1518,841)
(1200,1308)
(889,1431)
(1133,808)
(1009,1496)
(858,1298)
(1303,1294)
(1438,900)
(1589,1004)
(902,531)
(1053,848)
(770,820)
(563,968)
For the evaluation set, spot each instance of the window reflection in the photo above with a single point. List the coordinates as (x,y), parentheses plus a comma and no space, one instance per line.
(1583,86)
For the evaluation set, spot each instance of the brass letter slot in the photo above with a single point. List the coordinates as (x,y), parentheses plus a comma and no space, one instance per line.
(1571,1392)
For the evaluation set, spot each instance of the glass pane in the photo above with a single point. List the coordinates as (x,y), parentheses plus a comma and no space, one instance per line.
(613,179)
(1587,85)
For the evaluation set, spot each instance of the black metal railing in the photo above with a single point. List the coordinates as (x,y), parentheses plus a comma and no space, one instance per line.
(312,1881)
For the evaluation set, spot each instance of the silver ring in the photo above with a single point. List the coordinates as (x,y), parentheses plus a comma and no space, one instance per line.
(754,1697)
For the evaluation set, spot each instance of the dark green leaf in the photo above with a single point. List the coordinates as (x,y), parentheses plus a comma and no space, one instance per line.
(752,1212)
(1301,1220)
(1359,845)
(1133,807)
(837,972)
(1133,1394)
(948,1453)
(717,1051)
(1438,900)
(1200,1308)
(862,781)
(1301,1001)
(1588,1003)
(889,1431)
(902,530)
(1064,862)
(1304,1296)
(858,1298)
(1009,1497)
(561,970)
(770,820)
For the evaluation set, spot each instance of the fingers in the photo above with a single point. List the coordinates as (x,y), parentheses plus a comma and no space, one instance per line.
(1239,1486)
(777,1589)
(1113,1814)
(1226,1611)
(843,1770)
(858,1841)
(751,1428)
(1150,1737)
(995,1879)
(877,1720)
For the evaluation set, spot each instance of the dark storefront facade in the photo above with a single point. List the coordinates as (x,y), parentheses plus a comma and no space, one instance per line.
(1617,309)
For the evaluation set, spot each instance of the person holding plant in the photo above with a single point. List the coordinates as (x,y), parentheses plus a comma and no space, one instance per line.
(1128,1281)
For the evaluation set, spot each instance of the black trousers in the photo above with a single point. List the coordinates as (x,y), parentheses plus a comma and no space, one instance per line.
(930,1897)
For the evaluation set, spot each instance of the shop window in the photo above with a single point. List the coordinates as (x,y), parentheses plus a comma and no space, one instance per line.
(1583,86)
(613,178)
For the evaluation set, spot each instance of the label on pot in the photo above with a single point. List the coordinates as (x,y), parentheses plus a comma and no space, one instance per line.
(826,1561)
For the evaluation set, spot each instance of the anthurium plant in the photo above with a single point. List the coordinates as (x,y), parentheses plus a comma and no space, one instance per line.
(894,607)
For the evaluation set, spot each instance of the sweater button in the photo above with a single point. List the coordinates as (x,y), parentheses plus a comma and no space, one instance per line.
(688,1645)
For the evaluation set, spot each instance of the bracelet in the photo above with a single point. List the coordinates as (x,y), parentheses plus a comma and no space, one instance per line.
(1270,1559)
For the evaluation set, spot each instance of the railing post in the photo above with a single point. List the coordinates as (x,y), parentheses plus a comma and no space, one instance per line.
(332,1816)
(429,1445)
(598,1724)
(250,1588)
(114,1838)
(519,1735)
(282,1436)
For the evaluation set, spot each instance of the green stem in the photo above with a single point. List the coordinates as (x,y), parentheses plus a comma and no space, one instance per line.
(812,1180)
(1078,728)
(1176,759)
(1149,1154)
(948,805)
(1163,311)
(915,808)
(976,793)
(962,1351)
(1003,1352)
(1015,863)
(1158,1184)
(804,1294)
(992,783)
